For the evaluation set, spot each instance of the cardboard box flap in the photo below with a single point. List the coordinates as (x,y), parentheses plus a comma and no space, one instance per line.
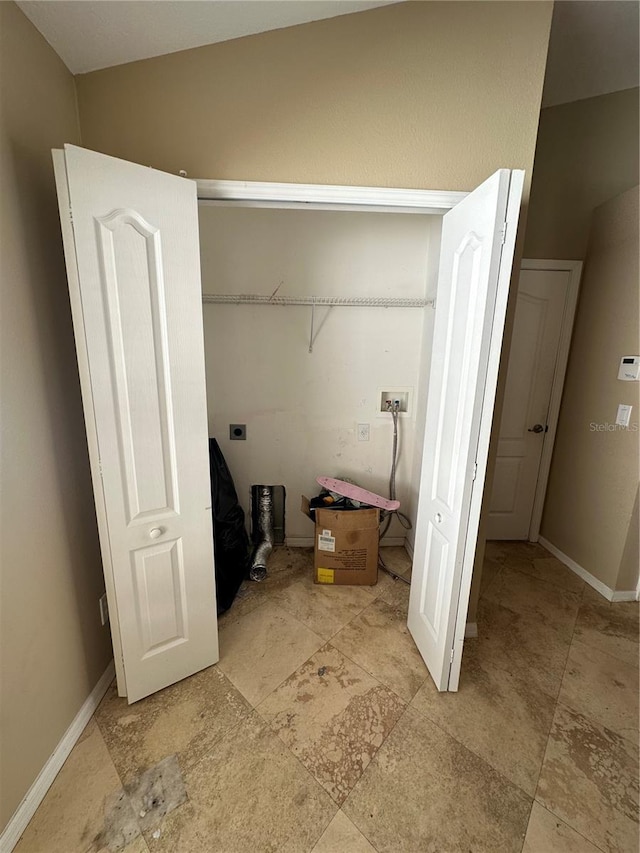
(304,506)
(361,519)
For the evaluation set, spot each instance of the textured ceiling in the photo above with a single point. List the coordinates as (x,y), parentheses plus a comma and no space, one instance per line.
(92,34)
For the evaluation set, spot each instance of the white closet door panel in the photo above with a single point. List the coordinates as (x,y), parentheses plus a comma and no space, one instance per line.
(137,254)
(473,282)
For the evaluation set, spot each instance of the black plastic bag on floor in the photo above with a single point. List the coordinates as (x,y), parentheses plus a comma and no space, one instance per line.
(230,540)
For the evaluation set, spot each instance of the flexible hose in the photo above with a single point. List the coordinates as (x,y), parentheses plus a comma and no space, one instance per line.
(263,536)
(402,518)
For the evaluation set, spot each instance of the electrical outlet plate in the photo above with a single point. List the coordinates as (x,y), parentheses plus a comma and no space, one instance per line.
(238,432)
(387,397)
(363,432)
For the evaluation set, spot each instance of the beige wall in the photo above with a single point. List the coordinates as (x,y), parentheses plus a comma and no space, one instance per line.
(434,95)
(591,507)
(53,648)
(587,153)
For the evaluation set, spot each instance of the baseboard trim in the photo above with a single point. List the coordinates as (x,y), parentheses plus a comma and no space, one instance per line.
(603,589)
(471,630)
(36,793)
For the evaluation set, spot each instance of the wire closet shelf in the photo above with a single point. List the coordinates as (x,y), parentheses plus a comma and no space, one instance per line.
(317,301)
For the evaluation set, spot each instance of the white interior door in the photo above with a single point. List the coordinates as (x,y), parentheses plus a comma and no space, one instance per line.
(542,295)
(478,238)
(131,245)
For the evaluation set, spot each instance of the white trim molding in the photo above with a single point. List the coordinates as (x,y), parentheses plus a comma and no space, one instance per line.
(270,194)
(603,589)
(38,790)
(574,268)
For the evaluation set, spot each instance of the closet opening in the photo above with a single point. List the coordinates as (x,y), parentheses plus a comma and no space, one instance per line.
(309,310)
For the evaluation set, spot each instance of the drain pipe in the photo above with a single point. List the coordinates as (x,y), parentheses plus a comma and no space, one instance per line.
(262,498)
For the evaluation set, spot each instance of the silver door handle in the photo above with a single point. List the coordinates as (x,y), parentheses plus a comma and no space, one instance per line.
(537,428)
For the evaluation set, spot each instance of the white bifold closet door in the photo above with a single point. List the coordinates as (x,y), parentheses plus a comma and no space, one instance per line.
(476,256)
(133,260)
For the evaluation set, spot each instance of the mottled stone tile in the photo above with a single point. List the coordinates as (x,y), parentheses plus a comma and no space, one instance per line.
(286,566)
(84,809)
(394,591)
(609,627)
(248,793)
(424,791)
(260,650)
(325,609)
(589,779)
(185,719)
(490,571)
(378,640)
(552,606)
(397,559)
(522,645)
(157,792)
(341,836)
(286,560)
(603,688)
(546,833)
(503,719)
(496,549)
(550,570)
(334,717)
(523,550)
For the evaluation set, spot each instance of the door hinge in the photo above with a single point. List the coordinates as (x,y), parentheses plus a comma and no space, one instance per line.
(100,466)
(475,470)
(451,656)
(503,236)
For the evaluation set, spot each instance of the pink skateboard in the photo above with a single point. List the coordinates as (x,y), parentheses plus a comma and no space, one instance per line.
(348,490)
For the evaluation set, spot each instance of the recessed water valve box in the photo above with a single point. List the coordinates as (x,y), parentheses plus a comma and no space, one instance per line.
(398,399)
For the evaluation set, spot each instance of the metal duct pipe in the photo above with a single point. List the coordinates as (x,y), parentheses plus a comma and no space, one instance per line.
(262,497)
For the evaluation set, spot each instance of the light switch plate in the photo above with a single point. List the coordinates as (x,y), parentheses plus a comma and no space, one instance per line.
(624,415)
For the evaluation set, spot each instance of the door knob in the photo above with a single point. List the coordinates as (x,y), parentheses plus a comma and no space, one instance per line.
(155,532)
(438,518)
(537,428)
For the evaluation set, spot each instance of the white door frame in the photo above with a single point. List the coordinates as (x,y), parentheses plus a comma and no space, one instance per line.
(574,268)
(326,197)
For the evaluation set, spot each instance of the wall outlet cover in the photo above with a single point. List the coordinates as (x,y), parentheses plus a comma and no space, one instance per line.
(238,432)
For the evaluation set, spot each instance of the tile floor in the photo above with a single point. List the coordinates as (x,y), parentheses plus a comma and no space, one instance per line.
(320,730)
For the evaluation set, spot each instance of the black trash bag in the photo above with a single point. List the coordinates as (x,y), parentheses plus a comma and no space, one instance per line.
(230,539)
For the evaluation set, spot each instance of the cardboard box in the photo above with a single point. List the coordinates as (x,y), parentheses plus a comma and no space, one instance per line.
(346,545)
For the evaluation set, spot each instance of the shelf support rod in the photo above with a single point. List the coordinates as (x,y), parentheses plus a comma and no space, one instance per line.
(313,316)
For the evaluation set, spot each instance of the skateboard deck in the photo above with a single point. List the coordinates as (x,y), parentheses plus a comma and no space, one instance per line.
(348,490)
